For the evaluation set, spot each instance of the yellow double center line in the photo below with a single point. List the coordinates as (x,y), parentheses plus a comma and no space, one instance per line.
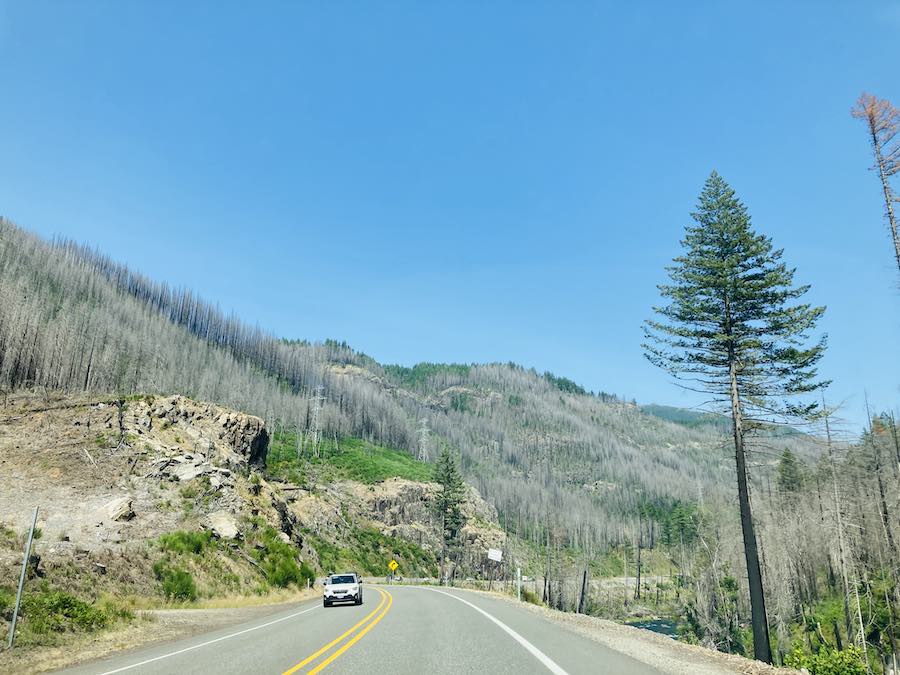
(359,629)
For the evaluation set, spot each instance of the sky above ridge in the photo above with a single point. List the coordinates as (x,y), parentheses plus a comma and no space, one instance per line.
(466,182)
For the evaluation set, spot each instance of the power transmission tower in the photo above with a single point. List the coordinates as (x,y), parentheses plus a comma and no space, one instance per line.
(312,436)
(422,453)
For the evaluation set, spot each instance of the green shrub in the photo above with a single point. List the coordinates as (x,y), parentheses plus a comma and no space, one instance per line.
(114,610)
(278,560)
(307,573)
(330,556)
(57,611)
(281,571)
(848,661)
(7,600)
(186,542)
(177,584)
(189,491)
(531,596)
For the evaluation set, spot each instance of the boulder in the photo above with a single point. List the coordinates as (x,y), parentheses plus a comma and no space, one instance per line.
(186,472)
(223,525)
(119,509)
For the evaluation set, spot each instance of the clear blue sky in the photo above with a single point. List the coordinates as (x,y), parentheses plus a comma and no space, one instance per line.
(459,181)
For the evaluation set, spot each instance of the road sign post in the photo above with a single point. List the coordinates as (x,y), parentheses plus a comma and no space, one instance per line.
(392,566)
(12,625)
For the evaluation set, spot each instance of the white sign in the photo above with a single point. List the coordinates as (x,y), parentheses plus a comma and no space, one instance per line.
(495,554)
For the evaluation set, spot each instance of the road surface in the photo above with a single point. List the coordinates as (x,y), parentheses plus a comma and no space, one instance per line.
(398,629)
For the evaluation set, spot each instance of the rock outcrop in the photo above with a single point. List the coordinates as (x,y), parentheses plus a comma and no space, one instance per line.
(109,473)
(400,508)
(227,438)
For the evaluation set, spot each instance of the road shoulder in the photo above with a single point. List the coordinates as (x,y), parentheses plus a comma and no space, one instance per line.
(149,628)
(658,651)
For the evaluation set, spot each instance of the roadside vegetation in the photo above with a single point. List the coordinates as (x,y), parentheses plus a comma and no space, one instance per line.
(366,550)
(194,565)
(49,614)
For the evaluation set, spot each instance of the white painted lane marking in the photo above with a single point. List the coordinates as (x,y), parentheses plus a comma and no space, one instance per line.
(209,642)
(551,665)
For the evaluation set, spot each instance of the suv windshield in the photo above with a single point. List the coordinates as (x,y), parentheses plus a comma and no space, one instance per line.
(343,579)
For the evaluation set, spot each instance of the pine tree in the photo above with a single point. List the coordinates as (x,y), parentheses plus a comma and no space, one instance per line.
(448,502)
(790,476)
(733,329)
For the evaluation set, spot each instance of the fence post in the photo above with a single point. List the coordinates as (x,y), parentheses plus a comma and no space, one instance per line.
(519,583)
(15,616)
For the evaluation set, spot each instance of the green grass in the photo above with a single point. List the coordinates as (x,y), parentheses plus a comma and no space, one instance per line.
(368,463)
(352,459)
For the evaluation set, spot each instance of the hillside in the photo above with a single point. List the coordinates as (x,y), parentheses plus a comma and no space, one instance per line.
(166,497)
(546,454)
(153,498)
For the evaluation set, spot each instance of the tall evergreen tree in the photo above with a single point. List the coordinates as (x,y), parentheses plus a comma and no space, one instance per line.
(448,503)
(790,475)
(733,329)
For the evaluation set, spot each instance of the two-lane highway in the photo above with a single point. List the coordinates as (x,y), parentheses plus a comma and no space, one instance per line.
(399,629)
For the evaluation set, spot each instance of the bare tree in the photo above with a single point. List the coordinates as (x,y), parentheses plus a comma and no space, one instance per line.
(883,122)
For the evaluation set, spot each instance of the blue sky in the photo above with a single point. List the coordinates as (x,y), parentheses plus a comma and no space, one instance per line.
(459,181)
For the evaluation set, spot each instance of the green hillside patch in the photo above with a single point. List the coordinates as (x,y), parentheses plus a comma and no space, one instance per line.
(367,551)
(351,459)
(419,375)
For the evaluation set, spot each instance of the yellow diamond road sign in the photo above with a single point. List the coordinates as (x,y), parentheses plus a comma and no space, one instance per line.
(393,565)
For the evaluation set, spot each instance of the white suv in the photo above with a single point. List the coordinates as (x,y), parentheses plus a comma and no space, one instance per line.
(342,588)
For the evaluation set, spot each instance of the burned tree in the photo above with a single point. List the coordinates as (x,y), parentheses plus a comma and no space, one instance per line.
(883,122)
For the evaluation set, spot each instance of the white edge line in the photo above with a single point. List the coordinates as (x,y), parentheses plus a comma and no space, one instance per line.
(208,642)
(551,665)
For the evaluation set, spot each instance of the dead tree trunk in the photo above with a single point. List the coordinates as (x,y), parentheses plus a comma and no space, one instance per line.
(637,588)
(883,121)
(581,598)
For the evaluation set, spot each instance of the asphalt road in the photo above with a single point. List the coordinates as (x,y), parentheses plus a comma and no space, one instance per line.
(398,629)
